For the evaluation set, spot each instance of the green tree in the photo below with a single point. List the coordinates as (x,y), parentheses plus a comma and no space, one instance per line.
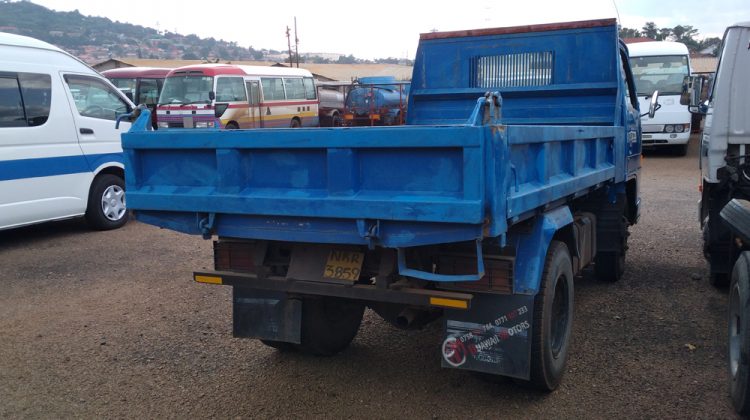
(650,30)
(686,34)
(629,33)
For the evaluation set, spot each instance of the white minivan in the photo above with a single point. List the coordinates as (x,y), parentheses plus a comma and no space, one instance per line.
(60,153)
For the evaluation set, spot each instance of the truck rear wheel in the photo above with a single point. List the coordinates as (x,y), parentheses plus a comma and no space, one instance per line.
(329,324)
(739,335)
(553,319)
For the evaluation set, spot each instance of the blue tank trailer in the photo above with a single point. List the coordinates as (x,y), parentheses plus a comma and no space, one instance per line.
(376,101)
(518,167)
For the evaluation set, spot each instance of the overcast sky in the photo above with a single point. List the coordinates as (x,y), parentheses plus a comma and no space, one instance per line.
(389,28)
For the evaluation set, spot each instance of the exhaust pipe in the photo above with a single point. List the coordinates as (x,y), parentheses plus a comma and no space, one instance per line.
(406,318)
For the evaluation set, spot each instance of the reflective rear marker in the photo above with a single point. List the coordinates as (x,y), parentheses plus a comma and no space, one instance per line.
(208,279)
(449,303)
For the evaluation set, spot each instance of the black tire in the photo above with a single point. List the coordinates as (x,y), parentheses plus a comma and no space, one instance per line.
(329,324)
(106,209)
(739,335)
(553,319)
(680,149)
(609,266)
(719,280)
(295,123)
(232,126)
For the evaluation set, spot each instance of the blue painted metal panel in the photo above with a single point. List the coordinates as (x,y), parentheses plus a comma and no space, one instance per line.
(578,85)
(531,249)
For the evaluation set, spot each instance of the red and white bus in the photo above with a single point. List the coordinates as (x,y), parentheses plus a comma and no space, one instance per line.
(234,96)
(140,84)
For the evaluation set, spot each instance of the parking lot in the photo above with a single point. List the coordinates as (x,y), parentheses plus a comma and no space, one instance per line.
(110,324)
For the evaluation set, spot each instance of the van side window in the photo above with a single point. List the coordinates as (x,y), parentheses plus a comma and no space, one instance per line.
(11,105)
(309,88)
(230,89)
(273,89)
(95,99)
(24,99)
(294,88)
(36,90)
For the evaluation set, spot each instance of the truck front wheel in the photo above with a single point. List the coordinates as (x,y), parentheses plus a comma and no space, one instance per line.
(329,324)
(553,319)
(739,335)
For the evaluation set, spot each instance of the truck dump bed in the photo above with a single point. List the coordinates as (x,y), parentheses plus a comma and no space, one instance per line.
(463,168)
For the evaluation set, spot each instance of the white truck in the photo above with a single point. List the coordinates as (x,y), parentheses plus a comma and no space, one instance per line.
(661,66)
(725,186)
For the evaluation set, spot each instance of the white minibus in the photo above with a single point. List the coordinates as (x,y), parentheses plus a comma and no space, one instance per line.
(662,66)
(60,153)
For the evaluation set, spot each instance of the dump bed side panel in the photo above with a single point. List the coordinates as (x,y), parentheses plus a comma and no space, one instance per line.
(298,179)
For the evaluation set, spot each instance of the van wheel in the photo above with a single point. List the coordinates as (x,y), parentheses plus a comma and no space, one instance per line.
(553,319)
(295,124)
(106,208)
(232,126)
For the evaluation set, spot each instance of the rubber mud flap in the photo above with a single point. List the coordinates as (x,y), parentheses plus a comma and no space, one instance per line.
(493,337)
(266,315)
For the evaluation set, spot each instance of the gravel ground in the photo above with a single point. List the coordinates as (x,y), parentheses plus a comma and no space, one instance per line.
(109,324)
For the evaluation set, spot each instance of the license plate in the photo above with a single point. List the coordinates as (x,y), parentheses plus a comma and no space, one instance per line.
(187,122)
(343,265)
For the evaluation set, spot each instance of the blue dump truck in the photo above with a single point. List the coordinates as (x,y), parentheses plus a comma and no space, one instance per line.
(517,168)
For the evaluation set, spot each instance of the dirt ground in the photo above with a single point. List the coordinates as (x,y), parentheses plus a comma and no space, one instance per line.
(110,324)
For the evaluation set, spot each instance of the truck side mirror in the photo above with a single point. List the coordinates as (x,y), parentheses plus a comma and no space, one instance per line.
(211,95)
(654,104)
(692,88)
(219,109)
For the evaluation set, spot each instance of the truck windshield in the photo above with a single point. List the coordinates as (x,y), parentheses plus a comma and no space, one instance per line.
(186,90)
(663,73)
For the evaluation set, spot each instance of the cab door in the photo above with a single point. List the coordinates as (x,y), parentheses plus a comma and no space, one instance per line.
(253,97)
(95,106)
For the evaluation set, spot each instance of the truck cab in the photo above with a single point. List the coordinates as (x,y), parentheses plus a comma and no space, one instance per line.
(725,146)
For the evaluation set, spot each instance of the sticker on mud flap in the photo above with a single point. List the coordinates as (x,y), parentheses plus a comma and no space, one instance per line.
(498,343)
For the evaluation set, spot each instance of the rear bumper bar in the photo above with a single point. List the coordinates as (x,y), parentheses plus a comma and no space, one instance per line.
(404,296)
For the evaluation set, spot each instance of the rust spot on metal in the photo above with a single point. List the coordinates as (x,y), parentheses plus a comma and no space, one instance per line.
(581,24)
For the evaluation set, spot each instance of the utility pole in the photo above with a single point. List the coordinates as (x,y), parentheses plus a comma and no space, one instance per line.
(289,45)
(296,41)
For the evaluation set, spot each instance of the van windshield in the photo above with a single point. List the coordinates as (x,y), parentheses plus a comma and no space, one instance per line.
(186,90)
(663,73)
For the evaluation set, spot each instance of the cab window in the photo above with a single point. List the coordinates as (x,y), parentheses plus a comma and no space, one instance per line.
(95,99)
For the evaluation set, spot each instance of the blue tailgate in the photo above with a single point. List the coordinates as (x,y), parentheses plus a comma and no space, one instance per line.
(396,186)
